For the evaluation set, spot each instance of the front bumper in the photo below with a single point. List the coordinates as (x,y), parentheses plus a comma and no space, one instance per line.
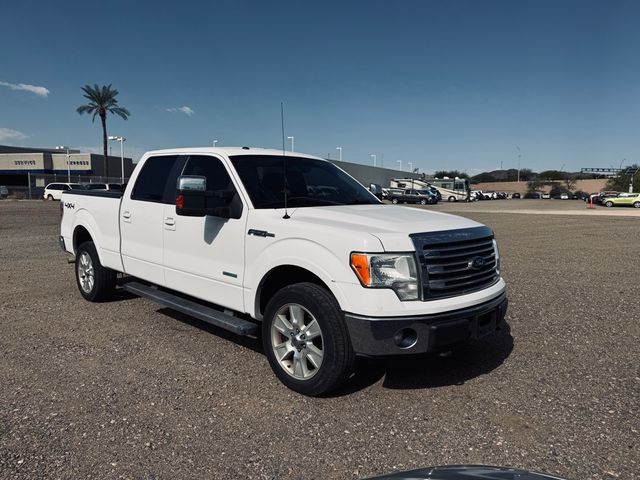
(385,336)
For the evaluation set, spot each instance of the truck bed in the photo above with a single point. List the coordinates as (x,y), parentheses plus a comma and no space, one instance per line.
(96,193)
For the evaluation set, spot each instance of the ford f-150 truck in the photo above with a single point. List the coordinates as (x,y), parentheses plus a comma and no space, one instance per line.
(250,239)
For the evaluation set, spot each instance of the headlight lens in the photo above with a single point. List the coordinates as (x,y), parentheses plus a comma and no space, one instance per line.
(397,271)
(496,252)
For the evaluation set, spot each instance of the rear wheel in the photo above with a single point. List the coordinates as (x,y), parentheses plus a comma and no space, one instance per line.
(452,198)
(636,204)
(306,340)
(95,282)
(423,202)
(49,197)
(394,201)
(608,204)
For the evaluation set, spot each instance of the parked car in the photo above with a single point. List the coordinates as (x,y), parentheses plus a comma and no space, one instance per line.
(53,191)
(4,191)
(564,196)
(501,195)
(102,186)
(534,195)
(515,195)
(545,195)
(214,234)
(480,195)
(435,196)
(412,196)
(600,197)
(624,199)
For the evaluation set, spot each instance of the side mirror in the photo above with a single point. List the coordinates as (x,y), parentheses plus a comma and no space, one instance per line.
(194,200)
(376,190)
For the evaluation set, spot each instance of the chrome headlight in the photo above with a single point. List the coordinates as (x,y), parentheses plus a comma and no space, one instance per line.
(397,271)
(496,252)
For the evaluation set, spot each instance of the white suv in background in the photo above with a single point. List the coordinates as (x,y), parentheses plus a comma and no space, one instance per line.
(53,191)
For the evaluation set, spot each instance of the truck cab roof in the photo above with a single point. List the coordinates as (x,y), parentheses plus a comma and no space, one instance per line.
(229,151)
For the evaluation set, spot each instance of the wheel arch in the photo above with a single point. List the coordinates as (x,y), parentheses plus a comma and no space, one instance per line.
(280,277)
(84,233)
(80,235)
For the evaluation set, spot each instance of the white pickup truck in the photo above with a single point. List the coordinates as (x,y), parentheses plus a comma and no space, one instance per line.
(249,238)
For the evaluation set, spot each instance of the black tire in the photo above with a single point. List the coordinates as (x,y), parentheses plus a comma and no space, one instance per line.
(636,204)
(394,201)
(104,283)
(423,202)
(338,356)
(452,198)
(608,204)
(49,197)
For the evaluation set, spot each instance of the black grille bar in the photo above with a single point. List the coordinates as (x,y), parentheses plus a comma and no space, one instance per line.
(456,262)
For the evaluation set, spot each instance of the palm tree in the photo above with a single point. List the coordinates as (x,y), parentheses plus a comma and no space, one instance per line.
(102,100)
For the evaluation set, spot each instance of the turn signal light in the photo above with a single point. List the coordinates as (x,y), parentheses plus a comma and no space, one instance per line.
(360,265)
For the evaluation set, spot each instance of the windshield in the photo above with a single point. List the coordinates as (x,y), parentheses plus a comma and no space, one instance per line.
(309,182)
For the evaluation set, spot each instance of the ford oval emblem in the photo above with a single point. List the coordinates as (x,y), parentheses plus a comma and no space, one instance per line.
(476,263)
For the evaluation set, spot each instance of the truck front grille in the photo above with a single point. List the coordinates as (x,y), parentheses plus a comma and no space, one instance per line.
(456,262)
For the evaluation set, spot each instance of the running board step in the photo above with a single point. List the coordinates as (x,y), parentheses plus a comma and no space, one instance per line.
(234,324)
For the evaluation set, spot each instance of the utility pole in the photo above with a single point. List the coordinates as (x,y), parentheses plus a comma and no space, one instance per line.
(519,155)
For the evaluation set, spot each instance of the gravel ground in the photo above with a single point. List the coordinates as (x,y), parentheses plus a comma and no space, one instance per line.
(128,389)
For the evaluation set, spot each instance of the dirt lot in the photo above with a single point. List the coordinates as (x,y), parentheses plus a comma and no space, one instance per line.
(128,389)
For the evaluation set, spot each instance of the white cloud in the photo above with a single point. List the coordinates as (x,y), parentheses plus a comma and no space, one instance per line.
(40,91)
(9,134)
(188,111)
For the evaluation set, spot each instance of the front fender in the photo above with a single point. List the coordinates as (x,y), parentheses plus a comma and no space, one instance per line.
(329,266)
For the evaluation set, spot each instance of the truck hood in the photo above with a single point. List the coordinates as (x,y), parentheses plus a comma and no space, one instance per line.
(391,224)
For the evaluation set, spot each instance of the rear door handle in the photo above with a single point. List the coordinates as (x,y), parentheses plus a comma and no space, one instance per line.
(126,216)
(169,223)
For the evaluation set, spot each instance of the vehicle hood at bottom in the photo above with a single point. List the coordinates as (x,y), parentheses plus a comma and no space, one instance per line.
(391,224)
(467,472)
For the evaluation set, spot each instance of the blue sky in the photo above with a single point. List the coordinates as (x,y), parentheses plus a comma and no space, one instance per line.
(441,84)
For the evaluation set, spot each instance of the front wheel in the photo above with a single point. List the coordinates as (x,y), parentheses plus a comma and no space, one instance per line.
(608,204)
(49,197)
(95,282)
(636,204)
(394,201)
(452,198)
(423,202)
(306,340)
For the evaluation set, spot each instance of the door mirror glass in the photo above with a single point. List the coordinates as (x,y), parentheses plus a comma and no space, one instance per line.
(192,183)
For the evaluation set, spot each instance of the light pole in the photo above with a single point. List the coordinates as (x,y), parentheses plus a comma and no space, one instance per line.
(62,147)
(519,156)
(373,155)
(410,166)
(121,140)
(291,138)
(340,152)
(400,162)
(214,143)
